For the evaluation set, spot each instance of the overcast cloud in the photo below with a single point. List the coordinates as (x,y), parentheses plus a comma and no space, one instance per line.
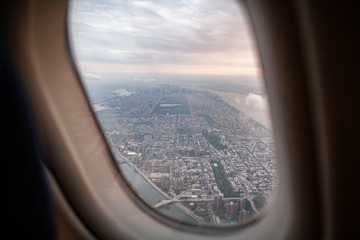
(163,36)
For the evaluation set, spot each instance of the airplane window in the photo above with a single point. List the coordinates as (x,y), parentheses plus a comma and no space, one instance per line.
(178,91)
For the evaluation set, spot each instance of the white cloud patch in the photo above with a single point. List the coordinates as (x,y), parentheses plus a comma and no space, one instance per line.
(254,106)
(256,102)
(91,76)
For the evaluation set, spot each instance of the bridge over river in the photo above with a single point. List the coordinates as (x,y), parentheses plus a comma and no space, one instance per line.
(175,200)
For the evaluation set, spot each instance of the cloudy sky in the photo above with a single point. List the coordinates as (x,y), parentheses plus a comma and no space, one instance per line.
(193,37)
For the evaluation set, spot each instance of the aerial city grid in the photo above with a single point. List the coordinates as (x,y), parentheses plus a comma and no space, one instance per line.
(201,154)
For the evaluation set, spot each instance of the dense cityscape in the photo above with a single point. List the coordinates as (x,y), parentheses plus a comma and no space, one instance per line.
(200,153)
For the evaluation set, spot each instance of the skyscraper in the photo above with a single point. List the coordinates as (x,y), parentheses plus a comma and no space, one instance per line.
(230,210)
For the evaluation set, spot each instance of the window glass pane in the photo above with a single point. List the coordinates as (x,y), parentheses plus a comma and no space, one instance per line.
(178,91)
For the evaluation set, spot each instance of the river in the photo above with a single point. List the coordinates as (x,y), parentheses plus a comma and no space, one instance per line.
(152,196)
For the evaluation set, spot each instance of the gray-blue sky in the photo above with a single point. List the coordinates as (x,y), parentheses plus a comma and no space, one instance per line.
(161,36)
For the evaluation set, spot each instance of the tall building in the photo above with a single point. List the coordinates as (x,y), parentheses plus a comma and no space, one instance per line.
(227,213)
(219,202)
(215,201)
(244,216)
(230,210)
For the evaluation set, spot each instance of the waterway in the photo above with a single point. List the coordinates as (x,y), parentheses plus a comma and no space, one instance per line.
(152,196)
